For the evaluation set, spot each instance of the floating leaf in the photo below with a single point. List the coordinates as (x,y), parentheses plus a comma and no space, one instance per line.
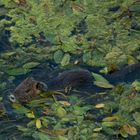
(23,129)
(62,138)
(65,60)
(64,103)
(131,60)
(136,116)
(135,8)
(1,98)
(44,121)
(30,115)
(61,112)
(38,123)
(101,105)
(103,85)
(57,132)
(40,136)
(123,133)
(110,119)
(87,56)
(58,56)
(108,124)
(130,129)
(17,71)
(30,65)
(99,78)
(20,109)
(136,85)
(3,85)
(8,54)
(97,129)
(101,81)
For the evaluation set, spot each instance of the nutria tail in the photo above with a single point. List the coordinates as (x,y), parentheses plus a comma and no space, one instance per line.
(74,78)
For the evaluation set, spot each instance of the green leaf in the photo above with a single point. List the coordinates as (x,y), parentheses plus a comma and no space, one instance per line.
(136,117)
(97,129)
(135,8)
(123,133)
(101,81)
(23,129)
(136,85)
(86,57)
(17,71)
(3,85)
(8,54)
(66,59)
(99,78)
(20,109)
(103,85)
(40,136)
(62,138)
(61,112)
(30,65)
(58,56)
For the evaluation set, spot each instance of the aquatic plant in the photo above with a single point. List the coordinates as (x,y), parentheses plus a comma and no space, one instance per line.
(69,32)
(100,32)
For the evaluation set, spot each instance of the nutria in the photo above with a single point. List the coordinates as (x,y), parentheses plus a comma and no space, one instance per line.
(77,78)
(27,90)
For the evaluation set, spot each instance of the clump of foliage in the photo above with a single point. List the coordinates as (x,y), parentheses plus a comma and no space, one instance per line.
(115,114)
(102,33)
(98,33)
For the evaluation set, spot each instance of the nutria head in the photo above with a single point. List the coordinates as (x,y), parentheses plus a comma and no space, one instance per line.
(27,90)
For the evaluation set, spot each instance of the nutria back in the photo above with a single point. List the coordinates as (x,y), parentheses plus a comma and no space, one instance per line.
(76,78)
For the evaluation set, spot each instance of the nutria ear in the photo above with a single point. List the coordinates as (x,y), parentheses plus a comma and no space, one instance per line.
(29,79)
(42,86)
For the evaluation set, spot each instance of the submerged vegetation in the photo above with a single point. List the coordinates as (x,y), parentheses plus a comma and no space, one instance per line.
(48,36)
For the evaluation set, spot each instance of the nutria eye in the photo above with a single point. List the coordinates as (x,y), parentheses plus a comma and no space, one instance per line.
(38,85)
(41,86)
(12,98)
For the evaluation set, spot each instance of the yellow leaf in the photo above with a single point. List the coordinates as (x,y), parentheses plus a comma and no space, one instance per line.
(101,105)
(61,112)
(108,124)
(97,129)
(57,132)
(130,129)
(110,119)
(133,131)
(64,103)
(30,115)
(38,124)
